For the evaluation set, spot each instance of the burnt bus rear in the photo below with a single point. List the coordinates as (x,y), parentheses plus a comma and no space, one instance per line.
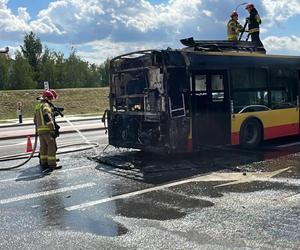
(148,102)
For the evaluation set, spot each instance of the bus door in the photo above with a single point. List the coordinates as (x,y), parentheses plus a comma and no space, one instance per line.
(210,109)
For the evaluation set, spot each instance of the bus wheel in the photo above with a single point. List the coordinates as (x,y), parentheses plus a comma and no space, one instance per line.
(251,134)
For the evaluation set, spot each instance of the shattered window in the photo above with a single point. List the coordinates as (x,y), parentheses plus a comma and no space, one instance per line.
(130,88)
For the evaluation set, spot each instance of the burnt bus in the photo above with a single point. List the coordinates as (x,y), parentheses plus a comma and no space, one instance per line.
(207,94)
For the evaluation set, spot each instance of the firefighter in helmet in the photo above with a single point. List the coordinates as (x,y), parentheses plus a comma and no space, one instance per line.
(45,125)
(233,27)
(254,21)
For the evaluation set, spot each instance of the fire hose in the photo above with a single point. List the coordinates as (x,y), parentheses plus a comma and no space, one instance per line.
(35,154)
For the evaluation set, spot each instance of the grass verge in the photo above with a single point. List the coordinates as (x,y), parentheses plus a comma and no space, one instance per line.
(74,101)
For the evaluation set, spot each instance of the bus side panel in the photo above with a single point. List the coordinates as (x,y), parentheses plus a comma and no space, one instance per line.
(277,123)
(179,135)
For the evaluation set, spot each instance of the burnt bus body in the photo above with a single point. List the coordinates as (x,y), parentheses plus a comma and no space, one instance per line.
(147,101)
(208,94)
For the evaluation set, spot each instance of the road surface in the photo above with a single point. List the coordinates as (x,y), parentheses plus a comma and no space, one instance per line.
(217,199)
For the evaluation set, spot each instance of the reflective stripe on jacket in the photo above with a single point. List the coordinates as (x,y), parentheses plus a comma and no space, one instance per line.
(253,30)
(233,30)
(254,21)
(43,110)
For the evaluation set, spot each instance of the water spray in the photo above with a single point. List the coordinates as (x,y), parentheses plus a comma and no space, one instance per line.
(236,9)
(81,135)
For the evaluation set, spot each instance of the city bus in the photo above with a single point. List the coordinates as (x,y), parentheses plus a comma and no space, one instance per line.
(207,94)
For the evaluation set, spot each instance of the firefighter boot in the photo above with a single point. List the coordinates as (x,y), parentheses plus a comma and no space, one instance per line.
(55,167)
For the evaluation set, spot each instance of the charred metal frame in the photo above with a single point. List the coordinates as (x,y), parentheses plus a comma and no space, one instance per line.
(139,126)
(162,117)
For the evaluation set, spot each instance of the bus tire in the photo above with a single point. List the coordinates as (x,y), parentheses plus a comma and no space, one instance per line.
(251,133)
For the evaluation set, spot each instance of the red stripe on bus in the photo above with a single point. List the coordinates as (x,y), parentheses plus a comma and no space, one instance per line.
(189,146)
(280,131)
(272,132)
(235,138)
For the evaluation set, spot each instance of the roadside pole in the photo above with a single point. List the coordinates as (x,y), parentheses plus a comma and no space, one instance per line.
(19,112)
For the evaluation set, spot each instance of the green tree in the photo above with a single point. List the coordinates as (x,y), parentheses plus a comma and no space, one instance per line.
(77,71)
(46,69)
(32,68)
(32,50)
(21,76)
(60,71)
(104,71)
(4,71)
(94,76)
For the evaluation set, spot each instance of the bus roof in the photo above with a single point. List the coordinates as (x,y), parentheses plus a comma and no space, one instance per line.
(212,47)
(244,54)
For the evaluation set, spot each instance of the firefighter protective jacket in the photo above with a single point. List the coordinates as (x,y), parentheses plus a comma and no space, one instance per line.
(233,30)
(254,21)
(43,118)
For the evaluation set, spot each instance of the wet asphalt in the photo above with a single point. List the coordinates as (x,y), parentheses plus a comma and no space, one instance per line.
(219,198)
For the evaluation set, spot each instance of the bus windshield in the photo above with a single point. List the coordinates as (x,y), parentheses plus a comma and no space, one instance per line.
(137,90)
(129,88)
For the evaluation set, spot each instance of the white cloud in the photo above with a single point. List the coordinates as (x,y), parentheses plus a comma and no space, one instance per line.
(207,13)
(23,14)
(98,19)
(110,27)
(281,10)
(3,4)
(101,50)
(10,23)
(284,43)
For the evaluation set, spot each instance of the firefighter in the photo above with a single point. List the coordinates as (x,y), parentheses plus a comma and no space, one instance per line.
(253,24)
(44,121)
(233,27)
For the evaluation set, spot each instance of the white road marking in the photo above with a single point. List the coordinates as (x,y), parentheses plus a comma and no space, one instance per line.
(288,145)
(13,145)
(122,196)
(293,197)
(41,175)
(250,177)
(50,192)
(21,178)
(235,178)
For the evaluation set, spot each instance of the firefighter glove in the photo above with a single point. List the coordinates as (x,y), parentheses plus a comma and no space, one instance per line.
(52,132)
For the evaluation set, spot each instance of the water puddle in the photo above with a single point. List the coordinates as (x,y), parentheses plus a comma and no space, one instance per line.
(99,226)
(177,200)
(77,222)
(140,210)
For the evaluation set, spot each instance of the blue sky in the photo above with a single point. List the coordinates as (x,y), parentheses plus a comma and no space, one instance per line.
(106,28)
(33,6)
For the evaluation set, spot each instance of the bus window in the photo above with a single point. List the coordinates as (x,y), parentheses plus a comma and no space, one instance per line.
(217,87)
(283,88)
(200,83)
(243,99)
(249,78)
(217,82)
(260,78)
(240,78)
(249,88)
